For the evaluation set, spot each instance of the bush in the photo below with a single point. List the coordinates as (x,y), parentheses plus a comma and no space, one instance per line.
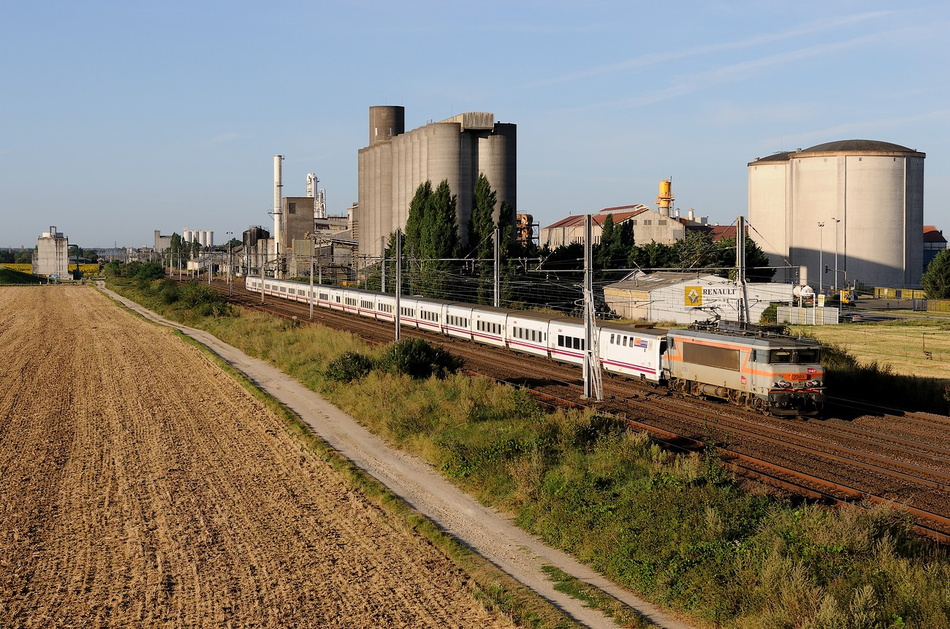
(418,359)
(169,290)
(348,367)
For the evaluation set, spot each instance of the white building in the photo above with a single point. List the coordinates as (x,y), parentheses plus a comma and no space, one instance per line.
(683,297)
(52,254)
(854,206)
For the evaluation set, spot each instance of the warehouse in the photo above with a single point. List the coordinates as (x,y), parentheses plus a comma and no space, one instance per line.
(685,297)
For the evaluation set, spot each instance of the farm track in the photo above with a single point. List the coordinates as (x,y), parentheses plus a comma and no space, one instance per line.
(877,457)
(142,486)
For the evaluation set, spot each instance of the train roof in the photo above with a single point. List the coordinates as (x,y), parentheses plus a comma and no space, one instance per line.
(748,338)
(630,328)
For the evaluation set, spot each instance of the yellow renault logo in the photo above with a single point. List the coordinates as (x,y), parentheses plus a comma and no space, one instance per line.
(693,295)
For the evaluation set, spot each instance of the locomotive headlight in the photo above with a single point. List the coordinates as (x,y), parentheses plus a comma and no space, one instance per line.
(782,384)
(814,383)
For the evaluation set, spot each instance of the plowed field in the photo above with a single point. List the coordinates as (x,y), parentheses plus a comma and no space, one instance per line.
(141,486)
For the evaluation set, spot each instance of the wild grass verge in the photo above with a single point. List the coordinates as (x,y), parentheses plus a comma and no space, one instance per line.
(674,528)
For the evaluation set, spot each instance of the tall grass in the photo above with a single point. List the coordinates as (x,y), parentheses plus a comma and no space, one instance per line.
(675,528)
(878,383)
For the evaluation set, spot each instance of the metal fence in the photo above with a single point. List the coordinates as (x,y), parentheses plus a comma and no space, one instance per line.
(807,316)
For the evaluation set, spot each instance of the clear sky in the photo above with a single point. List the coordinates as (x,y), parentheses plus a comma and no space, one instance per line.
(119,118)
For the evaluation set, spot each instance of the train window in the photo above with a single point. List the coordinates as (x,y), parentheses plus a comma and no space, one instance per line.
(808,355)
(780,356)
(624,343)
(560,340)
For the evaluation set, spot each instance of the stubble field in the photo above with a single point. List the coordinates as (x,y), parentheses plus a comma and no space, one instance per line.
(142,486)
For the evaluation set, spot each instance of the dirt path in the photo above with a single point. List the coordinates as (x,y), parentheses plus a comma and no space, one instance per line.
(142,486)
(488,532)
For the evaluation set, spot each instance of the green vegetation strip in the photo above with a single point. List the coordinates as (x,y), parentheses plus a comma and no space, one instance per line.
(677,529)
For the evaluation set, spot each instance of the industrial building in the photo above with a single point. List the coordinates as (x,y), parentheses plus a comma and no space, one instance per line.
(662,226)
(51,257)
(204,237)
(686,297)
(934,243)
(456,150)
(840,213)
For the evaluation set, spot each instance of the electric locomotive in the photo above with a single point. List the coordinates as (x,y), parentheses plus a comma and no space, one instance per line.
(759,369)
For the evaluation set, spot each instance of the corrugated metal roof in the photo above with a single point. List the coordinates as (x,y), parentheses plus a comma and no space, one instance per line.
(618,214)
(661,279)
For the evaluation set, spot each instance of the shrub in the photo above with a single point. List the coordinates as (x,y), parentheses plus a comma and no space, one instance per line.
(418,359)
(348,367)
(169,290)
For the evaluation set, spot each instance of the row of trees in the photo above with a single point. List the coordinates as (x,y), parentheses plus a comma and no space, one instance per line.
(436,264)
(435,261)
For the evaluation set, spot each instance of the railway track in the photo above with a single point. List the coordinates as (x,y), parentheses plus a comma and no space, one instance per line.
(891,458)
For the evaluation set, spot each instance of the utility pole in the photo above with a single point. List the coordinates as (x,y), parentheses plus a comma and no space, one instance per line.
(592,376)
(740,271)
(230,236)
(313,241)
(398,278)
(497,253)
(382,265)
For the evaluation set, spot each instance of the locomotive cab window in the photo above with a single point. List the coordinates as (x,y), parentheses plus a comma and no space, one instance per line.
(809,355)
(780,356)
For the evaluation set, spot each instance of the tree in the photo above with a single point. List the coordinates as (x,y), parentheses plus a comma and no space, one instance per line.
(418,210)
(936,279)
(441,239)
(615,244)
(432,236)
(481,236)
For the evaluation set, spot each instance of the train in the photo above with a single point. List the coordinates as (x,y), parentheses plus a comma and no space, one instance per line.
(758,369)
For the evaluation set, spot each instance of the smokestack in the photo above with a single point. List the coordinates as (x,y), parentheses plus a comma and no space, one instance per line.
(278,184)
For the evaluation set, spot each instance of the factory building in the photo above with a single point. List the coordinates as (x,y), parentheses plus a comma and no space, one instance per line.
(663,225)
(396,162)
(839,213)
(934,243)
(51,257)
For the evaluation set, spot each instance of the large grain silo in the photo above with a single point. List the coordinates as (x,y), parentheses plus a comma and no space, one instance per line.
(456,150)
(853,207)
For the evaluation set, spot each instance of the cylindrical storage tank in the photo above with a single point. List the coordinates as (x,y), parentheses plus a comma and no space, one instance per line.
(386,122)
(187,235)
(847,211)
(768,212)
(498,159)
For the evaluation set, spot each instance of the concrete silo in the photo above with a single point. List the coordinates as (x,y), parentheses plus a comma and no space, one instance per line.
(457,150)
(853,206)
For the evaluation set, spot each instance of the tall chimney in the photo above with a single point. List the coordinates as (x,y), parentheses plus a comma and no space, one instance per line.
(278,184)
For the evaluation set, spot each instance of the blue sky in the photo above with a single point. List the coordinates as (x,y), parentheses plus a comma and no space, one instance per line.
(119,118)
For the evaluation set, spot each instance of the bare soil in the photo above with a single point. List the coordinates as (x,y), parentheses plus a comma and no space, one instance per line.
(142,486)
